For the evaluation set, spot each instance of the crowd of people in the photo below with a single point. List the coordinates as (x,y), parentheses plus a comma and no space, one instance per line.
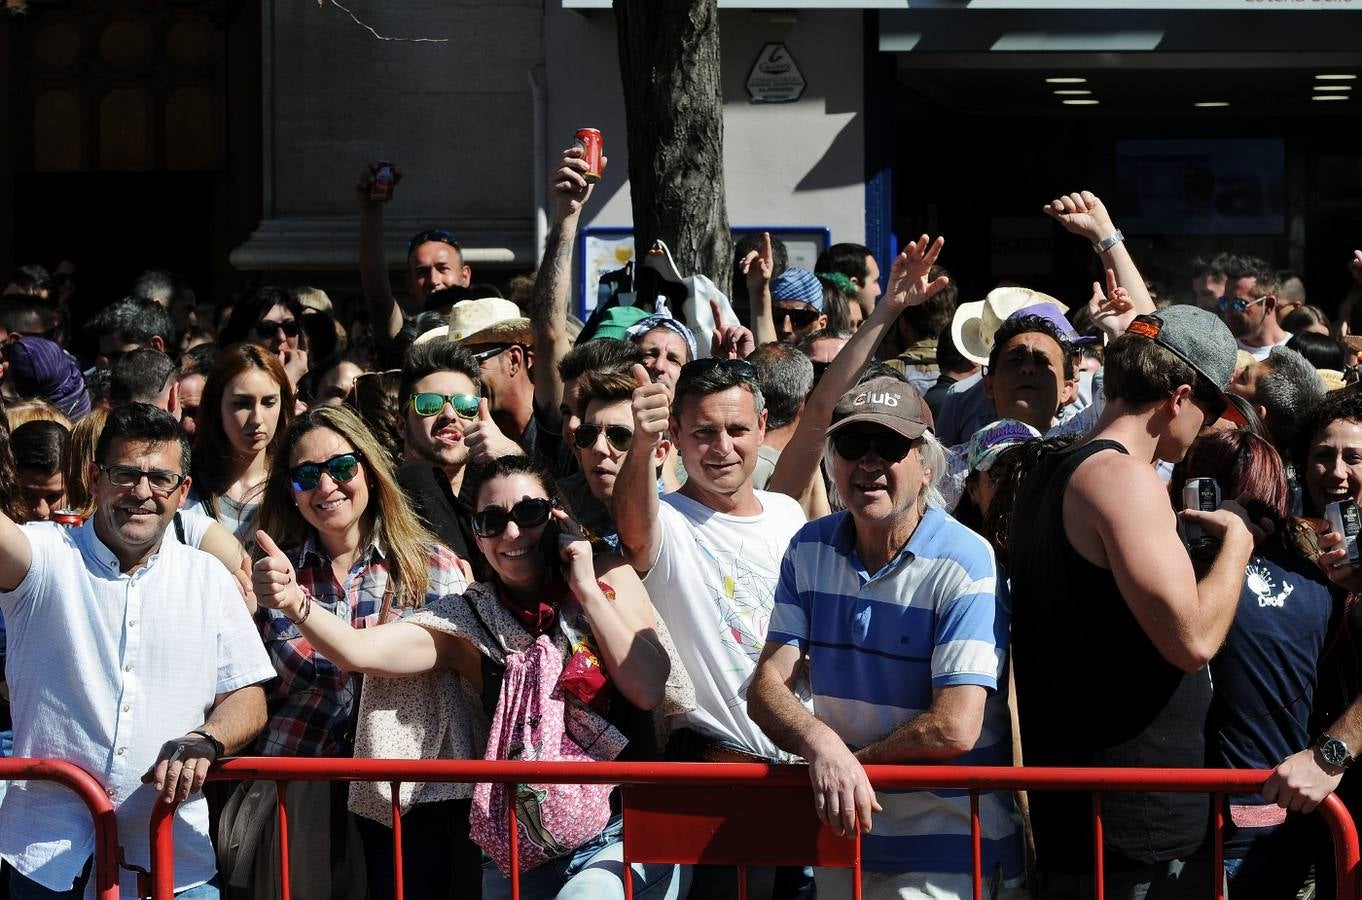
(861,528)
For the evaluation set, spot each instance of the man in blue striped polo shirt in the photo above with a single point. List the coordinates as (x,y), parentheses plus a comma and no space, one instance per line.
(895,605)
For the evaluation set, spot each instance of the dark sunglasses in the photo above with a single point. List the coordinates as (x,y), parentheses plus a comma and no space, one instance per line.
(528,513)
(429,403)
(439,235)
(617,436)
(740,367)
(890,447)
(1228,304)
(342,468)
(818,369)
(266,328)
(799,318)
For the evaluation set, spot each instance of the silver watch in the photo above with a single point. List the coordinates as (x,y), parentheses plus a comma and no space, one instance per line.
(1107,243)
(1335,752)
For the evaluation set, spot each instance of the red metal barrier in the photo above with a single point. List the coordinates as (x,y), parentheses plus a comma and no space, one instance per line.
(784,781)
(105,868)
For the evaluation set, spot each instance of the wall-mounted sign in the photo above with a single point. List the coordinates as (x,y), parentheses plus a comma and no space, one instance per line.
(775,78)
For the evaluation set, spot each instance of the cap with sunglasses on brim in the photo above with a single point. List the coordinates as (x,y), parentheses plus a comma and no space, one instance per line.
(491,320)
(433,235)
(1199,338)
(883,401)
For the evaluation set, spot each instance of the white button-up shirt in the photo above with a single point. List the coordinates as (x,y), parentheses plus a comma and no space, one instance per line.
(103,669)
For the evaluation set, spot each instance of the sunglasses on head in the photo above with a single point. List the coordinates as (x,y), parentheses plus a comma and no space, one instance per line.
(342,468)
(618,436)
(428,403)
(799,318)
(890,447)
(266,328)
(740,367)
(492,350)
(439,235)
(1234,304)
(528,513)
(818,369)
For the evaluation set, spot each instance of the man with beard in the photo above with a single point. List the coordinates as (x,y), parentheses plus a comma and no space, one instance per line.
(160,668)
(1249,306)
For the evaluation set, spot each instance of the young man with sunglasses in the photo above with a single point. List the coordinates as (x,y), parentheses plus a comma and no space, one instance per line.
(710,552)
(439,395)
(893,605)
(1249,306)
(797,300)
(434,258)
(151,634)
(1111,629)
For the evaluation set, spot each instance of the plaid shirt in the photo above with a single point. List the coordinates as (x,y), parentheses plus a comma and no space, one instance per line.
(312,701)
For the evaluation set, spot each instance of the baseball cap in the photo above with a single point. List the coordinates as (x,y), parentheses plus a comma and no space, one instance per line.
(1199,338)
(988,442)
(885,401)
(617,320)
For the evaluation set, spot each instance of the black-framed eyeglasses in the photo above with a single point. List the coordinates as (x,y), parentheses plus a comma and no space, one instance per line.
(618,436)
(1235,304)
(428,403)
(438,235)
(740,367)
(851,444)
(528,513)
(492,350)
(799,318)
(160,481)
(342,468)
(265,328)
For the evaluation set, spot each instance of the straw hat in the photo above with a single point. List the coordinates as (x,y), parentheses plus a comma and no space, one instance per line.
(975,323)
(492,320)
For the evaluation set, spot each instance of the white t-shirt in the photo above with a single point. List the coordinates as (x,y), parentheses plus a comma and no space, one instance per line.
(714,586)
(1261,353)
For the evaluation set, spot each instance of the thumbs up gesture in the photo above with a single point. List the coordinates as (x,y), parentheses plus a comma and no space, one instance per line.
(485,439)
(652,408)
(274,581)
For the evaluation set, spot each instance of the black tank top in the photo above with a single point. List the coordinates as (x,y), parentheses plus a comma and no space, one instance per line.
(1092,690)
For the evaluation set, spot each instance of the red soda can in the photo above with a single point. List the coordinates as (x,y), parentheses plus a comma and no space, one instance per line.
(382,188)
(591,143)
(68,518)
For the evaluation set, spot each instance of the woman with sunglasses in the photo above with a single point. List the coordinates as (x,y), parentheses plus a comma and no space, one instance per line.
(358,556)
(247,404)
(273,318)
(554,588)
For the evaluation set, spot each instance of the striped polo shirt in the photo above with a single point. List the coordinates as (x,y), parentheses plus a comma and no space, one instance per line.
(879,645)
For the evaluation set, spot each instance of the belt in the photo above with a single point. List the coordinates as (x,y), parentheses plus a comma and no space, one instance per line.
(686,744)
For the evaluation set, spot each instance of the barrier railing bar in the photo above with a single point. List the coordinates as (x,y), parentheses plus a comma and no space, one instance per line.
(977,847)
(1098,851)
(1347,853)
(281,803)
(394,787)
(97,802)
(1218,843)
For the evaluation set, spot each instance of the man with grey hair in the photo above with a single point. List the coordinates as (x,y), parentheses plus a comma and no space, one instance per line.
(1283,389)
(894,604)
(785,376)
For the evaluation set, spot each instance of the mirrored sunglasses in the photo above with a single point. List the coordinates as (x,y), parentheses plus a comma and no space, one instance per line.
(428,403)
(342,468)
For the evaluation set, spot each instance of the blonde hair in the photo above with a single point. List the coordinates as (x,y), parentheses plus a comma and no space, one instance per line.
(35,409)
(393,524)
(80,455)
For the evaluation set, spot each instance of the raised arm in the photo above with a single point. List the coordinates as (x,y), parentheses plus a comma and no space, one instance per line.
(757,267)
(1085,215)
(634,503)
(384,314)
(16,554)
(548,309)
(908,286)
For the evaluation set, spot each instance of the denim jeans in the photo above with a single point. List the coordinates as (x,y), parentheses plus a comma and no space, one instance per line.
(595,871)
(21,888)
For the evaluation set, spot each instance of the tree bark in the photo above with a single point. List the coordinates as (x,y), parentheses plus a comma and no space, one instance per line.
(673,102)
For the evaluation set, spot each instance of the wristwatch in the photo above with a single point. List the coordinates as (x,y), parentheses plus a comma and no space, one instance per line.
(1334,751)
(1107,243)
(211,738)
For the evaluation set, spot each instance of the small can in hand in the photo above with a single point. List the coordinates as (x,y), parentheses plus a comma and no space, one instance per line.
(382,188)
(1201,494)
(68,518)
(590,142)
(1346,519)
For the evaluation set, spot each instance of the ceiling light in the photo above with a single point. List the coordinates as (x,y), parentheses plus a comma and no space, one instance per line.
(1211,104)
(1329,97)
(1080,92)
(1095,102)
(1066,81)
(1332,87)
(1336,77)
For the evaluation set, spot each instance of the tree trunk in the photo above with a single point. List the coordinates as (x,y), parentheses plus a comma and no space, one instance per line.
(673,102)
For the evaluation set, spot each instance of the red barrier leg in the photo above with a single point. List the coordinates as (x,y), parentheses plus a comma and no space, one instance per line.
(394,787)
(1099,876)
(515,842)
(1218,844)
(282,805)
(976,845)
(742,882)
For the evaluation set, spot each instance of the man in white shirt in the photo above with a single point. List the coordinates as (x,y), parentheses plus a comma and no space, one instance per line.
(129,656)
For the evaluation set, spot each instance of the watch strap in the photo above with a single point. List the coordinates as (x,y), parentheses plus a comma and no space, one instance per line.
(208,736)
(1108,242)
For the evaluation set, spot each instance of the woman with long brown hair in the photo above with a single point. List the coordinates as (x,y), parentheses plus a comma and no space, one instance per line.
(247,404)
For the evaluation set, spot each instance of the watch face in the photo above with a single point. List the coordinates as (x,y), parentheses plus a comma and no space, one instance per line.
(1334,751)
